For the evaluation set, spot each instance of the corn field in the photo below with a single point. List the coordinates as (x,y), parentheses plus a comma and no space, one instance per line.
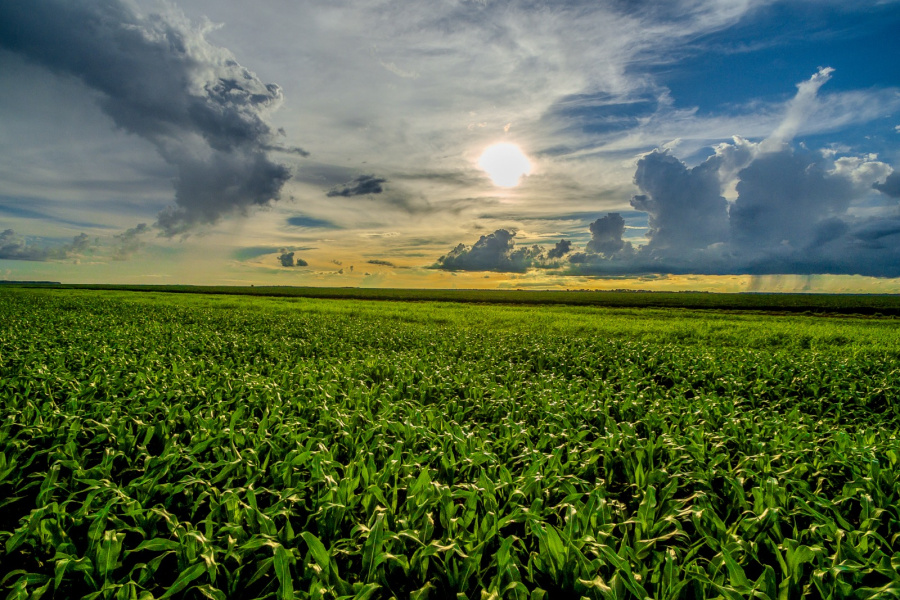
(161,446)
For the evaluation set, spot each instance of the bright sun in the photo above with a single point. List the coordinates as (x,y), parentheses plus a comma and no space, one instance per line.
(505,164)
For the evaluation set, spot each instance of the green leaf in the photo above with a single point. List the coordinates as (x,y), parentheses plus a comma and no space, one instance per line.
(156,545)
(184,579)
(736,574)
(556,547)
(108,552)
(317,549)
(283,560)
(210,592)
(797,557)
(262,568)
(366,591)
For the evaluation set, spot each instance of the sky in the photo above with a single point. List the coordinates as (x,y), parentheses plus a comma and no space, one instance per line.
(720,145)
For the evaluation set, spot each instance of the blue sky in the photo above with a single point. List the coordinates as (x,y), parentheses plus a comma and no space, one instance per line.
(724,145)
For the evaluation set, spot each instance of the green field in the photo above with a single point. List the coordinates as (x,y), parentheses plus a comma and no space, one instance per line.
(217,446)
(861,304)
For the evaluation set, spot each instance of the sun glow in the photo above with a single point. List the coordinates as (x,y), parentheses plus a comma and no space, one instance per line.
(505,164)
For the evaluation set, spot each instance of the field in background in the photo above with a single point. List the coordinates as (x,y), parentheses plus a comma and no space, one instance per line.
(212,446)
(862,304)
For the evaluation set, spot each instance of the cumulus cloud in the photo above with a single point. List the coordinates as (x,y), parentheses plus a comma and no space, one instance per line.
(562,248)
(359,186)
(606,234)
(492,252)
(783,198)
(791,216)
(287,259)
(15,247)
(159,78)
(685,205)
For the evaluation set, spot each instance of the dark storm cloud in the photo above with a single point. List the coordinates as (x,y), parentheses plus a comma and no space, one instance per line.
(874,234)
(685,206)
(383,263)
(891,185)
(287,259)
(359,186)
(492,252)
(562,248)
(606,234)
(14,247)
(783,198)
(158,78)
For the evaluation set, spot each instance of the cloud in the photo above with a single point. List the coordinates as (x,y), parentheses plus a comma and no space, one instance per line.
(791,213)
(798,110)
(287,259)
(791,216)
(750,207)
(14,247)
(42,210)
(890,186)
(128,242)
(606,234)
(286,150)
(562,248)
(783,198)
(158,77)
(685,206)
(359,186)
(383,263)
(492,252)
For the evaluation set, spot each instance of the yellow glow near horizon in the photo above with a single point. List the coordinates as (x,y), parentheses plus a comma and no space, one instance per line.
(505,164)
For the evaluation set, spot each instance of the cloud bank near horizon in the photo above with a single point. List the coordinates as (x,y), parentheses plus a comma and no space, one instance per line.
(15,247)
(792,215)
